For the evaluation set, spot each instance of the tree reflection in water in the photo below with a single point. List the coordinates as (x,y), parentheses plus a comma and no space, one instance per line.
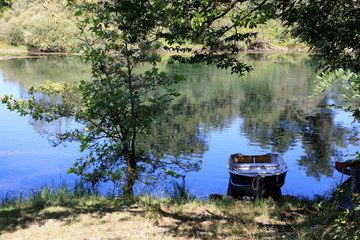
(272,102)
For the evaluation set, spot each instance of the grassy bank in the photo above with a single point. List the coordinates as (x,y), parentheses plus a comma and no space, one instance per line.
(59,213)
(8,48)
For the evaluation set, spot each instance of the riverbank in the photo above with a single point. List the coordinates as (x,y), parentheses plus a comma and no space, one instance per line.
(7,48)
(59,214)
(8,51)
(148,217)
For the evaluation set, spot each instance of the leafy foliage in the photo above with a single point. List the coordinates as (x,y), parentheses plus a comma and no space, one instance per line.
(5,6)
(40,25)
(345,226)
(351,89)
(332,30)
(118,104)
(217,26)
(48,26)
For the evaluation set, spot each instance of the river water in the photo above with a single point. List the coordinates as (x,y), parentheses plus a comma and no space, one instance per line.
(267,110)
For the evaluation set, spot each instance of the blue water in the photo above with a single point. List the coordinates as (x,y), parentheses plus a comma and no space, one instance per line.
(214,177)
(29,160)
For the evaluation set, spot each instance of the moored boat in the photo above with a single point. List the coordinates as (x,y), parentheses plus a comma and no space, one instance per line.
(256,175)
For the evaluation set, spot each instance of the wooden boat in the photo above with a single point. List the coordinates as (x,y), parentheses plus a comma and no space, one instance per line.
(256,175)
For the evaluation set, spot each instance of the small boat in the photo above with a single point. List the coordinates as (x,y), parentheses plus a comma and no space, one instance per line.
(351,185)
(256,175)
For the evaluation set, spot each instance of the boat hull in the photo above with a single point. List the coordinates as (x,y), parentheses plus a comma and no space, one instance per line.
(256,187)
(256,179)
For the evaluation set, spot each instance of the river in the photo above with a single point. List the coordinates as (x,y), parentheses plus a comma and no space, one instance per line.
(267,110)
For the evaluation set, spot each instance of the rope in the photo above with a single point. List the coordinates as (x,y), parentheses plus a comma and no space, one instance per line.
(253,184)
(353,186)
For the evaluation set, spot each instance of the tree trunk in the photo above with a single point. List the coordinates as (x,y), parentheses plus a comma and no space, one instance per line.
(131,172)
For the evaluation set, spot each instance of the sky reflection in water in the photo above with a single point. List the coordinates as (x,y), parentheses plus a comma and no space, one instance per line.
(266,111)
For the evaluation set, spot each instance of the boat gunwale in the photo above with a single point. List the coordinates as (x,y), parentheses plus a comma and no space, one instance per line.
(282,166)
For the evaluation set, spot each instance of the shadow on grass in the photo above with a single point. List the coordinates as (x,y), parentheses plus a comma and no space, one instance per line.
(29,212)
(188,219)
(233,219)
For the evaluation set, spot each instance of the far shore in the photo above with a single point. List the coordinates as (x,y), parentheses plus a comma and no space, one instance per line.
(12,53)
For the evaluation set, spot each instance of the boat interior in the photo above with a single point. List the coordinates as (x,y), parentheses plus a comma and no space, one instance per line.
(254,162)
(252,159)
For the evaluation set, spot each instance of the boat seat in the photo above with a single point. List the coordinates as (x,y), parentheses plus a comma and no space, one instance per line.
(250,166)
(255,172)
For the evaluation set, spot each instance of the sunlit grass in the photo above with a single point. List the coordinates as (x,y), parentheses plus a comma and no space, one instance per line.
(6,46)
(64,211)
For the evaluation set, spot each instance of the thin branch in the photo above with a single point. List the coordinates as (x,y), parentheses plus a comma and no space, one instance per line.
(234,25)
(226,11)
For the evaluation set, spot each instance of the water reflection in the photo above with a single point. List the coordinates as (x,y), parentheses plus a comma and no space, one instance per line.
(34,71)
(269,110)
(276,111)
(321,139)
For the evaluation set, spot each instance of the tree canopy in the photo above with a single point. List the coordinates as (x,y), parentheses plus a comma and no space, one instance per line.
(330,28)
(117,106)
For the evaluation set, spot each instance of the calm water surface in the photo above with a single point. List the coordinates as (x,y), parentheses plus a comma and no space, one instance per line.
(268,110)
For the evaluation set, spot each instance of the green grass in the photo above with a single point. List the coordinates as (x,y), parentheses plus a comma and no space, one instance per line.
(6,46)
(63,212)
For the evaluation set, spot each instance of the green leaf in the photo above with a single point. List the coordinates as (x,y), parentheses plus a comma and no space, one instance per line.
(78,13)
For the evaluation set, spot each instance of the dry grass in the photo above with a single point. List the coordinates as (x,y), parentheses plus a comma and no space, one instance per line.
(148,217)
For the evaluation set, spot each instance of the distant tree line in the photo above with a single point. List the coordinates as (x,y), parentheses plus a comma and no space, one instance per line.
(51,26)
(5,5)
(40,25)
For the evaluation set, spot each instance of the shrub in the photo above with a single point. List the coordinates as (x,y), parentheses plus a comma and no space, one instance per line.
(42,26)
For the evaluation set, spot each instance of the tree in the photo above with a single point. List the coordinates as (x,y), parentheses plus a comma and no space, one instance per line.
(40,25)
(119,103)
(331,28)
(218,26)
(5,5)
(333,32)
